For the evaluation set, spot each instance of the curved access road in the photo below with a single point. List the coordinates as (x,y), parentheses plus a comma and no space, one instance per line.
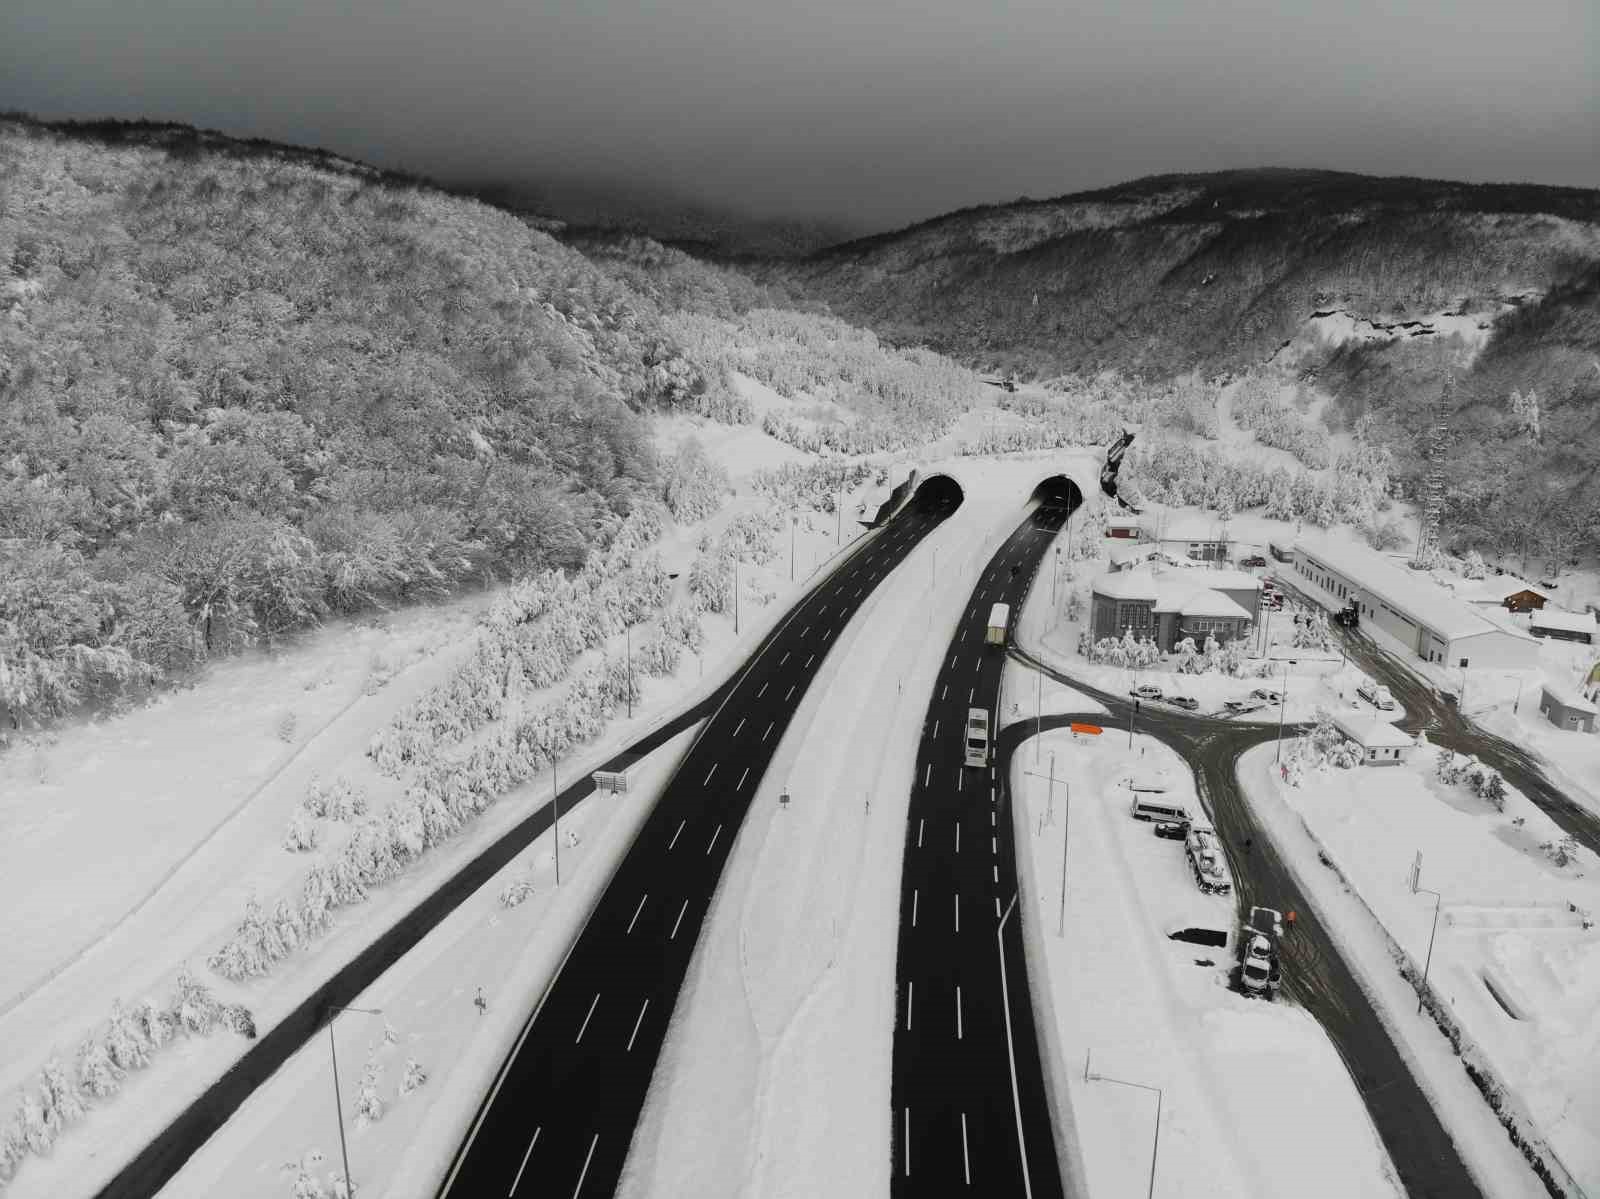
(970,1111)
(561,1113)
(1314,972)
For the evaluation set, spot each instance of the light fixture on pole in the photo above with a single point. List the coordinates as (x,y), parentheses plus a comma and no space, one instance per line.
(338,1106)
(1155,1141)
(1416,874)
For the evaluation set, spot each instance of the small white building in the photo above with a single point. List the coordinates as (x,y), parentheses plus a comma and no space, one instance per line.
(1563,626)
(1566,708)
(1381,743)
(1200,539)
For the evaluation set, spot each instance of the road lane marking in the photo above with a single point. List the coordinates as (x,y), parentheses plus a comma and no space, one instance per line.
(636,912)
(966,1162)
(587,1018)
(785,657)
(957,898)
(805,630)
(763,690)
(636,1024)
(927,774)
(943,691)
(769,730)
(808,661)
(789,693)
(996,870)
(713,840)
(910,991)
(958,1012)
(525,1158)
(997,907)
(960,774)
(952,661)
(711,772)
(958,836)
(679,833)
(971,691)
(977,664)
(908,1142)
(584,1173)
(994,845)
(738,726)
(673,936)
(935,730)
(742,778)
(920,822)
(991,819)
(914,896)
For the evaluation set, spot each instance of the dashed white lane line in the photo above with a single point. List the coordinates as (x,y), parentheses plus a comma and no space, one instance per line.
(636,912)
(738,726)
(790,693)
(808,660)
(785,657)
(711,772)
(921,821)
(943,691)
(910,991)
(935,730)
(908,1142)
(636,1024)
(525,1157)
(997,907)
(991,819)
(768,733)
(957,898)
(673,935)
(977,664)
(737,786)
(713,840)
(584,1173)
(994,845)
(927,774)
(592,1003)
(914,897)
(805,630)
(958,1012)
(763,690)
(677,834)
(971,691)
(958,836)
(996,871)
(966,1162)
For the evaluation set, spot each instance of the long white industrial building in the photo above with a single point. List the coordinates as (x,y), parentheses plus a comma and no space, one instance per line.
(1411,608)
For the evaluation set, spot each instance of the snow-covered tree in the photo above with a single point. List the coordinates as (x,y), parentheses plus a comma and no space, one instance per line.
(1472,566)
(413,1077)
(369,1104)
(516,892)
(59,1093)
(13,1147)
(40,1124)
(1445,767)
(302,834)
(156,1022)
(303,1182)
(239,1019)
(196,1008)
(1231,658)
(126,1039)
(1525,413)
(1312,632)
(1494,790)
(98,1075)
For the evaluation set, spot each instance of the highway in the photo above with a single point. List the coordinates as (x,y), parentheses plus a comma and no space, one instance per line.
(969,1104)
(1314,973)
(562,1111)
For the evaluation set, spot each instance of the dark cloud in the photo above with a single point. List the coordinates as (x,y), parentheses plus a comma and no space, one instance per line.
(875,111)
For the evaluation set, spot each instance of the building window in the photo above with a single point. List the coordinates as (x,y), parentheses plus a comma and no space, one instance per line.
(1463,663)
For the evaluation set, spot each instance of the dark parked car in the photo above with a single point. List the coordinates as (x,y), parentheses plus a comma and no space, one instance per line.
(1187,702)
(1173,830)
(1256,560)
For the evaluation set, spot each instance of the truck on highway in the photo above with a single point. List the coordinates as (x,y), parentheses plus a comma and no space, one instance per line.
(977,737)
(1206,860)
(999,618)
(1259,935)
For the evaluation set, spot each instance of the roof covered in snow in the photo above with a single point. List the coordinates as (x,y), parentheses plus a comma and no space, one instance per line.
(1569,697)
(1496,588)
(1409,592)
(1126,584)
(1125,555)
(1371,733)
(1566,622)
(1205,602)
(1193,528)
(1187,592)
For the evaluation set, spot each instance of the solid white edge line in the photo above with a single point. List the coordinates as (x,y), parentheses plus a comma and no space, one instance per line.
(524,1164)
(593,1003)
(636,1024)
(586,1160)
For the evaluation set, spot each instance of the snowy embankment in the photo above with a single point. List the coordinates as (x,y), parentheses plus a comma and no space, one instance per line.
(1512,964)
(1370,951)
(427,999)
(776,1072)
(1256,1101)
(169,868)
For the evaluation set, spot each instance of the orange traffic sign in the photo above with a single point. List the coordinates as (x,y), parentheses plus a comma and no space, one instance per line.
(1092,730)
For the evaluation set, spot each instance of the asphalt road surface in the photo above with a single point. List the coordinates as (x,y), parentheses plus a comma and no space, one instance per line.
(970,1111)
(1314,973)
(561,1114)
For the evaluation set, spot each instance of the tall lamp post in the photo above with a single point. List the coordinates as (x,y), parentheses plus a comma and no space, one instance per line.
(794,522)
(338,1106)
(1283,702)
(1155,1142)
(1437,899)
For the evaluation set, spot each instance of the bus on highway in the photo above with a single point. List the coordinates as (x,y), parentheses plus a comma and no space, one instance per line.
(977,737)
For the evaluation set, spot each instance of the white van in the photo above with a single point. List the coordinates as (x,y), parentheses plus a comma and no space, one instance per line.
(977,737)
(1154,806)
(999,619)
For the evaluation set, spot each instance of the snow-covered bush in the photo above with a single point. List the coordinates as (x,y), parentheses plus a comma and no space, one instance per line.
(517,892)
(126,1040)
(369,1104)
(61,1096)
(98,1075)
(1472,566)
(1312,632)
(413,1077)
(13,1146)
(692,485)
(815,485)
(302,834)
(196,1009)
(287,723)
(1563,851)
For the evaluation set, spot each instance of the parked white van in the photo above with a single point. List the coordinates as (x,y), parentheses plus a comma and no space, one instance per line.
(1154,806)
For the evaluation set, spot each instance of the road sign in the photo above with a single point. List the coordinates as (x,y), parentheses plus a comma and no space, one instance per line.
(610,780)
(1092,730)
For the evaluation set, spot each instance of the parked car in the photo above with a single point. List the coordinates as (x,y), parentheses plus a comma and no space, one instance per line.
(1267,695)
(1240,706)
(1187,702)
(1376,694)
(1146,691)
(1173,830)
(1254,560)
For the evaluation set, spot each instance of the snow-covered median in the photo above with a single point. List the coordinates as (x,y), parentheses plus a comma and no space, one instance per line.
(1158,1012)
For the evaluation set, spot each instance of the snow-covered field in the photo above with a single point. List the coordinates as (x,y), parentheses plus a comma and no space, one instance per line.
(1512,959)
(1366,947)
(427,998)
(1256,1101)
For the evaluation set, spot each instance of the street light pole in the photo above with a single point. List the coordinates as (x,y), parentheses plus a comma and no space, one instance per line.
(1155,1142)
(1428,961)
(628,632)
(1066,820)
(736,592)
(794,522)
(338,1105)
(1038,716)
(1283,702)
(555,800)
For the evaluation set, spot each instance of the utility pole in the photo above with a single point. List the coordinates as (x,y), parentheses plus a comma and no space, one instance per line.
(628,632)
(838,521)
(1134,709)
(555,800)
(1066,820)
(338,1105)
(1283,702)
(794,522)
(736,592)
(1155,1142)
(1038,716)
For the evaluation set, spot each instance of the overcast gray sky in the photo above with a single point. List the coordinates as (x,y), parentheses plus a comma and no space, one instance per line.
(875,111)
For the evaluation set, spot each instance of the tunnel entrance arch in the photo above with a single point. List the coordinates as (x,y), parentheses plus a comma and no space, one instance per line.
(1058,491)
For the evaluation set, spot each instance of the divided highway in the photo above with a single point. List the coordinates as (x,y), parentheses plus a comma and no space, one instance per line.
(561,1114)
(968,1094)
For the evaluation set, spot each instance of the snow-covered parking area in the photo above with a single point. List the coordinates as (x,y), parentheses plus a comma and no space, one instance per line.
(1512,961)
(1255,1099)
